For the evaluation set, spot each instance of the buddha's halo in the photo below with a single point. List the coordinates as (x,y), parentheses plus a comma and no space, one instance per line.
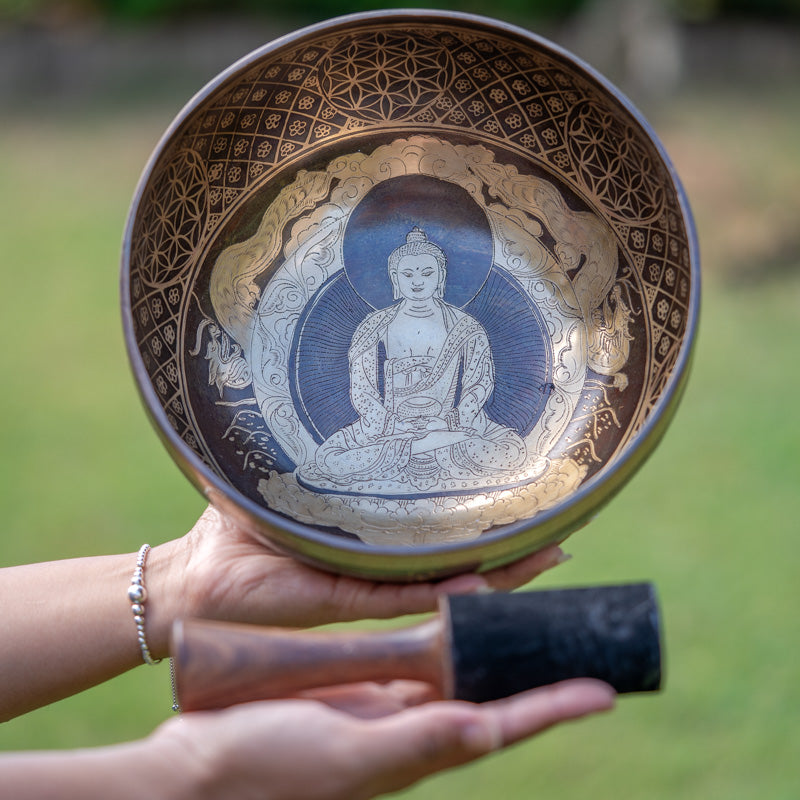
(448,215)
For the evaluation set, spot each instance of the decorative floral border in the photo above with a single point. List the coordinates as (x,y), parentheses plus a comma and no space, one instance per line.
(463,83)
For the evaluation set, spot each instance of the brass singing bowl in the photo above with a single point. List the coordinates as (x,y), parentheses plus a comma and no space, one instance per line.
(408,294)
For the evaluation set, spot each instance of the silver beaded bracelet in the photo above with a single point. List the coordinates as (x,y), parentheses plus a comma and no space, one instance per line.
(137,594)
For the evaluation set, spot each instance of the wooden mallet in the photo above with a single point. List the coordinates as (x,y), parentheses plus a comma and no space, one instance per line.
(477,648)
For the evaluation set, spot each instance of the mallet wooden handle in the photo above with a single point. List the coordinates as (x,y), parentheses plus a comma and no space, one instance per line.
(220,664)
(478,648)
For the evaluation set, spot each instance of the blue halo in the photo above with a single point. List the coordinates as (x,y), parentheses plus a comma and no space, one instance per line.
(450,218)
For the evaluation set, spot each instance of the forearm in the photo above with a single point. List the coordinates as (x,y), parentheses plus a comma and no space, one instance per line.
(123,772)
(67,625)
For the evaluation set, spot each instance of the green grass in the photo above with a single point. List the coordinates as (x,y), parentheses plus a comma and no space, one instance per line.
(711,519)
(81,470)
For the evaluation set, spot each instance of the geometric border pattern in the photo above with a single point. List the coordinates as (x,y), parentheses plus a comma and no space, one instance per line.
(379,77)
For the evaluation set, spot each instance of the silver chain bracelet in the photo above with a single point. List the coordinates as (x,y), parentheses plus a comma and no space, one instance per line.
(137,594)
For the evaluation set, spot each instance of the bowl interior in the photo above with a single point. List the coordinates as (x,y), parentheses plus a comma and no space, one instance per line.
(409,285)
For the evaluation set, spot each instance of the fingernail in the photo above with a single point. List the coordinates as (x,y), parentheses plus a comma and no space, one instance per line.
(558,557)
(562,557)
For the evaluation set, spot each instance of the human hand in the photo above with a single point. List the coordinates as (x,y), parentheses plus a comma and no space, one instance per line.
(225,573)
(355,742)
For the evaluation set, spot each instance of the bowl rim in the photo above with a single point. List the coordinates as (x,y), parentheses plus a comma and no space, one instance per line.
(323,549)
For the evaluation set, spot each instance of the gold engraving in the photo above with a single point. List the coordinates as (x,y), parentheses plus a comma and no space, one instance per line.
(264,327)
(583,215)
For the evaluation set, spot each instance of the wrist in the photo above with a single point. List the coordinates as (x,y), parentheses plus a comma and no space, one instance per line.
(126,771)
(166,596)
(180,769)
(151,767)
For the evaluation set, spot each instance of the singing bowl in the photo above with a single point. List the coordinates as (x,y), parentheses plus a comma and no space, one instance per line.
(410,293)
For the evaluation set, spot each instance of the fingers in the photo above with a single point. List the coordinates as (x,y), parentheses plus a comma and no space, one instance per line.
(399,750)
(238,578)
(389,600)
(407,746)
(302,748)
(518,717)
(373,700)
(507,577)
(526,569)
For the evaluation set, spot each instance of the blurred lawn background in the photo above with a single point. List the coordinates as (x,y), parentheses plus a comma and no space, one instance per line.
(712,518)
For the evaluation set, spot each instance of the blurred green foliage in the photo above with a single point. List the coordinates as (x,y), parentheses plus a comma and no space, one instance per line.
(711,519)
(158,10)
(141,9)
(769,9)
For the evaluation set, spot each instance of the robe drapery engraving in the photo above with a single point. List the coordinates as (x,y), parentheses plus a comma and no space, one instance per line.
(422,427)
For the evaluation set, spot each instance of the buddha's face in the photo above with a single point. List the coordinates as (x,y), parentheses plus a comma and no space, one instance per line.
(417,276)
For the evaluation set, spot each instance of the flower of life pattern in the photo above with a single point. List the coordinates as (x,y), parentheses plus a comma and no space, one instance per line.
(384,76)
(175,211)
(613,164)
(323,88)
(163,244)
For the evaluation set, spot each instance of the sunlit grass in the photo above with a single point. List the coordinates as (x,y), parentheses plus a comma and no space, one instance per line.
(711,519)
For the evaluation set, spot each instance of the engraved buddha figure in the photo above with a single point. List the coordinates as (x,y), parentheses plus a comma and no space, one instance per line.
(421,373)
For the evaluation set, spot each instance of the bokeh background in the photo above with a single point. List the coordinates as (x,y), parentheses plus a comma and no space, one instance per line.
(86,89)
